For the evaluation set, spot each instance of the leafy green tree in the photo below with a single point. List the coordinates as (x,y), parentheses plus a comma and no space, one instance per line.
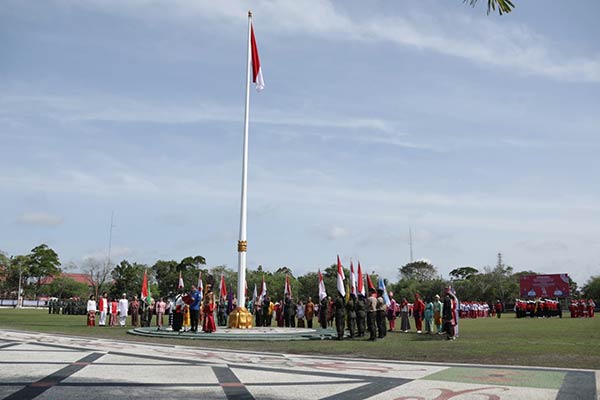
(127,278)
(591,289)
(42,261)
(462,273)
(309,286)
(65,287)
(418,270)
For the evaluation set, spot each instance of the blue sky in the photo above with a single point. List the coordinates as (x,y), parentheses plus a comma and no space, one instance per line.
(479,132)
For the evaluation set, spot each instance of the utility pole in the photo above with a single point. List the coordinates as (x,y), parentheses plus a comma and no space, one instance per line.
(112,215)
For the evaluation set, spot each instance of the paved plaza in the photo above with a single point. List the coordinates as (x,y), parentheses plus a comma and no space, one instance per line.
(44,366)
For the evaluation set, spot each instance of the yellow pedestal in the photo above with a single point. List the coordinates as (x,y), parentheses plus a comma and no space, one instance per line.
(240,318)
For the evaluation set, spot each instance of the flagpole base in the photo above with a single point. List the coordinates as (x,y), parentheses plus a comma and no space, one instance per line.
(240,318)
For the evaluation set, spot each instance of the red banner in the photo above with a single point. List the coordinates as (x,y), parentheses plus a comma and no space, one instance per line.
(554,285)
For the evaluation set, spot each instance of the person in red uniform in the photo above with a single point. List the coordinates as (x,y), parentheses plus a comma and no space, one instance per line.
(418,311)
(499,308)
(208,309)
(591,306)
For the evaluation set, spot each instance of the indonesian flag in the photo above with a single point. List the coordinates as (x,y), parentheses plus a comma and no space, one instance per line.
(222,287)
(257,77)
(287,290)
(370,283)
(322,291)
(200,284)
(144,294)
(263,289)
(352,280)
(340,278)
(361,283)
(180,283)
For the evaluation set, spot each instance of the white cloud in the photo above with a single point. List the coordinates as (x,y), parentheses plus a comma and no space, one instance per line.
(331,232)
(506,45)
(117,253)
(40,219)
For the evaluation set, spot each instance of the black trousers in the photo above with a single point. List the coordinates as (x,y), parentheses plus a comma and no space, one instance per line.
(340,324)
(194,315)
(309,322)
(177,321)
(371,325)
(381,323)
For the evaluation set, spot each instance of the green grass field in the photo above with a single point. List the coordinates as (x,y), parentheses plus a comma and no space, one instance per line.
(566,343)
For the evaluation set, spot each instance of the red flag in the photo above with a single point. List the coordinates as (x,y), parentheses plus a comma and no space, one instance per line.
(144,287)
(369,283)
(361,284)
(257,77)
(223,287)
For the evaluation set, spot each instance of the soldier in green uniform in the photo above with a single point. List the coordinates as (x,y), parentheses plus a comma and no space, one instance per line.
(361,314)
(351,311)
(340,315)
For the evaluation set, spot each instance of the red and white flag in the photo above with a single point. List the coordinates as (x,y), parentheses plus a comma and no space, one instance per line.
(287,290)
(361,283)
(223,287)
(322,291)
(263,290)
(352,280)
(180,283)
(257,76)
(200,284)
(340,278)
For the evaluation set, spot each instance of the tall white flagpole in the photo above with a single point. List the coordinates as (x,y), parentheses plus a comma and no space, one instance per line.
(242,243)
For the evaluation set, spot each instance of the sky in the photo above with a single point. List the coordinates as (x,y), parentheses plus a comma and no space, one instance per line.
(478,133)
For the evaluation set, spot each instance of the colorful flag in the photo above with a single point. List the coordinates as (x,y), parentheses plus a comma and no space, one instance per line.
(340,278)
(361,283)
(180,283)
(322,291)
(223,287)
(381,286)
(352,280)
(287,290)
(257,76)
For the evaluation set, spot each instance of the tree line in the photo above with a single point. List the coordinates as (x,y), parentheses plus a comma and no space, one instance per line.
(489,284)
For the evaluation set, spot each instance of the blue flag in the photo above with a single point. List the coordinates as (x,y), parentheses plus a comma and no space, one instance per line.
(381,285)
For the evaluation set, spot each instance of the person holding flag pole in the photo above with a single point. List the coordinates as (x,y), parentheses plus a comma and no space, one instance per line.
(241,318)
(361,305)
(339,304)
(322,302)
